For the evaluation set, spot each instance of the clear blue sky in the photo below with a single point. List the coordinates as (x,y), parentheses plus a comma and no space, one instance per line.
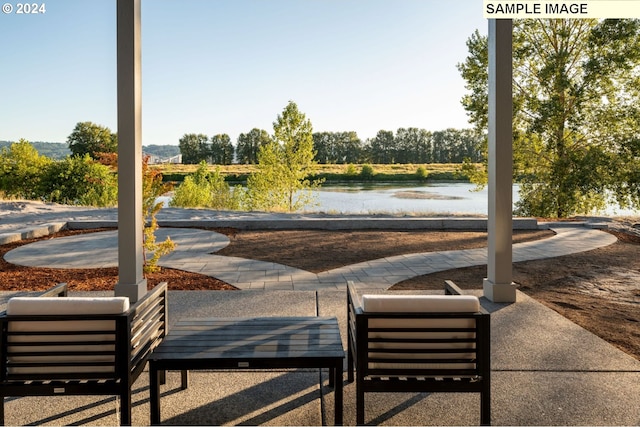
(227,66)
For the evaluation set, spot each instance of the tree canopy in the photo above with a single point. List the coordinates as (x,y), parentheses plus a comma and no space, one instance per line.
(249,143)
(221,150)
(576,112)
(92,139)
(194,148)
(284,164)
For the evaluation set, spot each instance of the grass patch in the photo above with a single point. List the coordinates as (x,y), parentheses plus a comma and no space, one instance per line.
(335,173)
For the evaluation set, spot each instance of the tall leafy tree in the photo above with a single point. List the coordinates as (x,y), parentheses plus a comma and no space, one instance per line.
(249,143)
(324,146)
(457,145)
(349,147)
(337,147)
(283,165)
(194,148)
(221,149)
(576,112)
(413,145)
(92,139)
(382,148)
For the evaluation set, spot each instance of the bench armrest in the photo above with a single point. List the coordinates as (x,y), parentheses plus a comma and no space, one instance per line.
(451,288)
(148,320)
(60,290)
(353,298)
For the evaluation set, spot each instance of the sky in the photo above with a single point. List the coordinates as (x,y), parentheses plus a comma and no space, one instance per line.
(228,66)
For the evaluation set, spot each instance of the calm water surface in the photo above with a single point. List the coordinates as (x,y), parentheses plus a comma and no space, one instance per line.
(437,198)
(433,198)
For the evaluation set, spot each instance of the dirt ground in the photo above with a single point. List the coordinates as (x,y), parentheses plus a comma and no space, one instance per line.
(599,290)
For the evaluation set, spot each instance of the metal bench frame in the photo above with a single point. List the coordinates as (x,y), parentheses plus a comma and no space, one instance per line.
(138,332)
(477,380)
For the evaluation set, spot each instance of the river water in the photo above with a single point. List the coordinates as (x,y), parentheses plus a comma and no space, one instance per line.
(438,198)
(434,198)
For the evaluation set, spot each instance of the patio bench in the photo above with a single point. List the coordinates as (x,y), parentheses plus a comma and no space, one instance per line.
(54,345)
(418,343)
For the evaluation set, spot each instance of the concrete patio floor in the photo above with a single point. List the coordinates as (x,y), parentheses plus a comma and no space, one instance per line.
(546,371)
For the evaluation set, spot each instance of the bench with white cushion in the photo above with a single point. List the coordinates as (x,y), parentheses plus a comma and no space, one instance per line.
(59,345)
(418,343)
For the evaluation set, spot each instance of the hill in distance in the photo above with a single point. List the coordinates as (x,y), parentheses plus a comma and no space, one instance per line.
(60,150)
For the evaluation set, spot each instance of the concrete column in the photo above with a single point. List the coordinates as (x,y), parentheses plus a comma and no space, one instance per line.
(498,286)
(130,222)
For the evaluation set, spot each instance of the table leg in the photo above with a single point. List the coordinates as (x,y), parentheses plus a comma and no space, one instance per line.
(184,376)
(338,393)
(154,394)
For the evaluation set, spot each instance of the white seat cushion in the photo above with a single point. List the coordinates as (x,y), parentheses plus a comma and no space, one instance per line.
(67,305)
(420,303)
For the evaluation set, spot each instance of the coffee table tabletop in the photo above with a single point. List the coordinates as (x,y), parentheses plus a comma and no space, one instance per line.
(249,343)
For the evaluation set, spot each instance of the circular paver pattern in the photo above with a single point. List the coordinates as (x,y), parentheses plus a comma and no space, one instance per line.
(99,250)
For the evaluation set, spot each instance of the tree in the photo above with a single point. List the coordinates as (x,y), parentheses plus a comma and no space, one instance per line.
(152,188)
(249,144)
(382,148)
(413,145)
(194,148)
(283,165)
(92,139)
(337,147)
(456,145)
(348,147)
(221,150)
(324,146)
(21,170)
(576,112)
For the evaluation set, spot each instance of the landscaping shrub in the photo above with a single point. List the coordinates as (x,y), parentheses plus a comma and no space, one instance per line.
(80,181)
(367,172)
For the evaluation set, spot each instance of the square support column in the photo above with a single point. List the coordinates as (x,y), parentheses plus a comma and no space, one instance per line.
(498,286)
(130,222)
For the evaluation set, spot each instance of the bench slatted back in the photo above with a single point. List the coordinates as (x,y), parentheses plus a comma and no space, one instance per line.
(420,344)
(61,347)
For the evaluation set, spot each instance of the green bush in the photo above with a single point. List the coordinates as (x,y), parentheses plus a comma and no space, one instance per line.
(421,173)
(367,172)
(351,170)
(206,189)
(21,169)
(190,194)
(80,181)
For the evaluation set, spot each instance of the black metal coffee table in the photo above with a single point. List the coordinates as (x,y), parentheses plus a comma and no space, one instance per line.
(249,343)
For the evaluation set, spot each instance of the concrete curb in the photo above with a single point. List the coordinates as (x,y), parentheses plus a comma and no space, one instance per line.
(472,224)
(343,223)
(32,233)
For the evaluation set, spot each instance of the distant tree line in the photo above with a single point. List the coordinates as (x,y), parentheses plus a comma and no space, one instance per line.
(407,145)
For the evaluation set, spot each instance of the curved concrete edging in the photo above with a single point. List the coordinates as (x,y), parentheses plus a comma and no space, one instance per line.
(194,249)
(385,272)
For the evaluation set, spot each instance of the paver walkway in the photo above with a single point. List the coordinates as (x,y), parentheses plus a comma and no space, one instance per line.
(195,247)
